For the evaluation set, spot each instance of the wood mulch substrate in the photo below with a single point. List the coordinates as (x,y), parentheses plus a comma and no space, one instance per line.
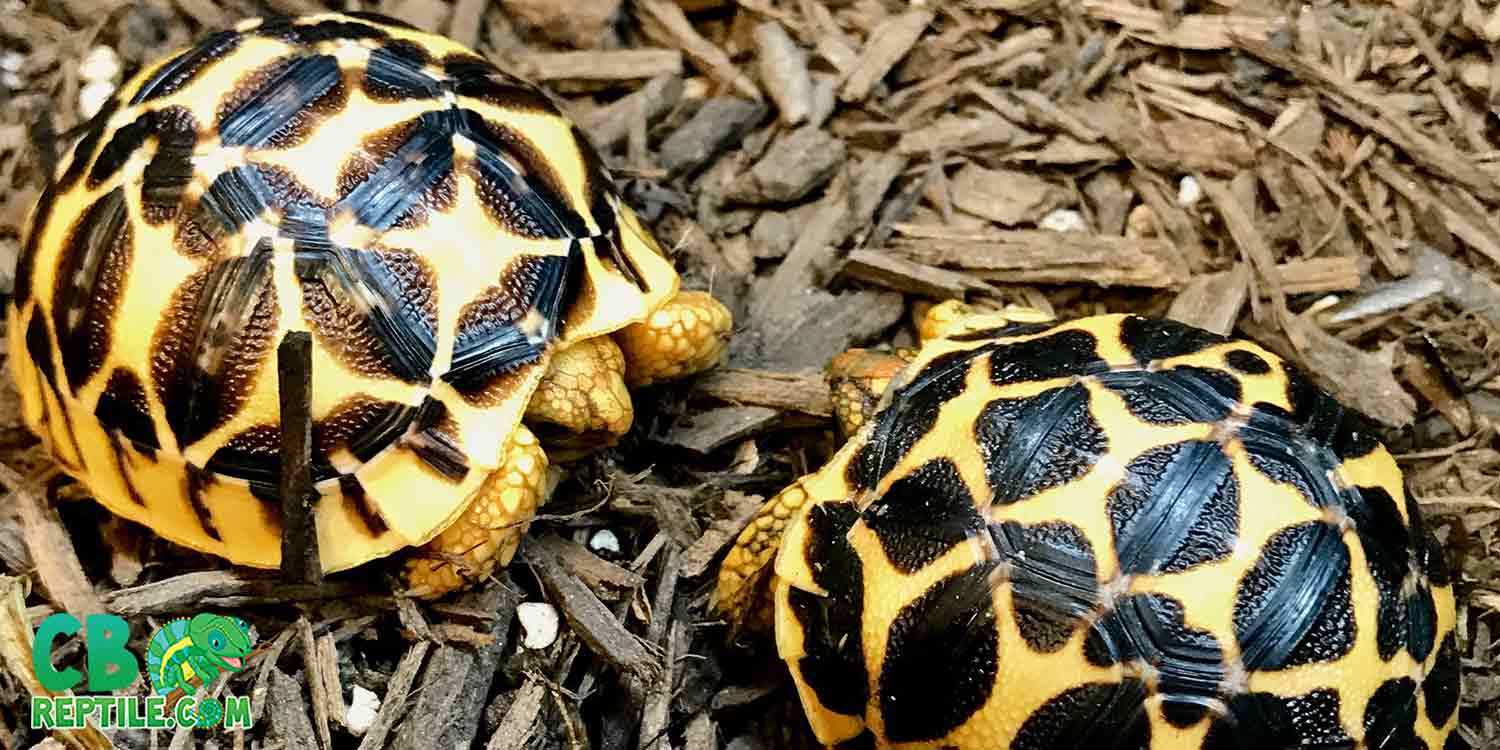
(1320,176)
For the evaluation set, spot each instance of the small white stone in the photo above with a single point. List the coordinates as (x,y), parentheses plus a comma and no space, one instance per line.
(1064,220)
(101,64)
(92,96)
(538,624)
(362,710)
(1189,192)
(11,61)
(605,541)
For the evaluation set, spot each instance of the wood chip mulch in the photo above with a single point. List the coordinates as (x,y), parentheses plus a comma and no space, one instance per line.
(1322,177)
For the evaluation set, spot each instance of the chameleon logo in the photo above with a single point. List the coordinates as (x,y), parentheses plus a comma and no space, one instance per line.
(184,652)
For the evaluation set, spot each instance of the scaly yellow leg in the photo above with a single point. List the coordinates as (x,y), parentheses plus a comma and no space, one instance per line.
(584,394)
(489,530)
(687,335)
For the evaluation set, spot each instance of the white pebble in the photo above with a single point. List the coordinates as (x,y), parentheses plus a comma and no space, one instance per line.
(92,96)
(10,69)
(362,710)
(605,541)
(538,624)
(1064,220)
(101,64)
(1189,192)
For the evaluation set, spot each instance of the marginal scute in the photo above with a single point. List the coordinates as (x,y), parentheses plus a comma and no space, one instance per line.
(180,71)
(90,280)
(123,407)
(1391,715)
(1152,339)
(1440,689)
(941,659)
(833,665)
(912,413)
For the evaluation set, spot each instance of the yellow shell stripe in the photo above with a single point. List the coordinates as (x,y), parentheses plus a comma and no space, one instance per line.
(1207,591)
(412,499)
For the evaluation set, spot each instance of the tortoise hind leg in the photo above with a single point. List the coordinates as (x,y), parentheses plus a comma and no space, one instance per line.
(687,335)
(581,402)
(488,531)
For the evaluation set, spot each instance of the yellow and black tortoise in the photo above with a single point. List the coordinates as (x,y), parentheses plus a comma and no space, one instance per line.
(1113,532)
(456,249)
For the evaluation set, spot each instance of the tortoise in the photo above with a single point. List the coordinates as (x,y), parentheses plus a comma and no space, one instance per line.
(458,252)
(1111,532)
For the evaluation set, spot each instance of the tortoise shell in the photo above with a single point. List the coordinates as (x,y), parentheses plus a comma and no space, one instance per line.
(436,224)
(1115,532)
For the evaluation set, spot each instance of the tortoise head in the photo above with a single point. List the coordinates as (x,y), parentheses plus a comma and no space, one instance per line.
(226,640)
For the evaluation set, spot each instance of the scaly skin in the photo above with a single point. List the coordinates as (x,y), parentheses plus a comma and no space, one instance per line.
(584,393)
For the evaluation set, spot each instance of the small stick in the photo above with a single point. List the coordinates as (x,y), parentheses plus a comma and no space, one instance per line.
(299,535)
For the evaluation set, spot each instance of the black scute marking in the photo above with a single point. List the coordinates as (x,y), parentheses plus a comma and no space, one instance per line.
(83,152)
(1263,721)
(1293,606)
(485,349)
(1181,395)
(1441,685)
(1149,629)
(291,89)
(1177,507)
(127,139)
(1421,618)
(1054,579)
(912,413)
(394,73)
(371,307)
(1427,554)
(517,184)
(1247,362)
(1092,715)
(1391,716)
(236,197)
(90,281)
(407,177)
(123,408)
(1068,353)
(1323,419)
(1000,332)
(1032,445)
(941,658)
(1384,538)
(433,441)
(923,515)
(599,186)
(476,78)
(39,348)
(834,662)
(1284,453)
(212,340)
(182,69)
(171,168)
(354,495)
(1151,339)
(26,264)
(291,31)
(198,481)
